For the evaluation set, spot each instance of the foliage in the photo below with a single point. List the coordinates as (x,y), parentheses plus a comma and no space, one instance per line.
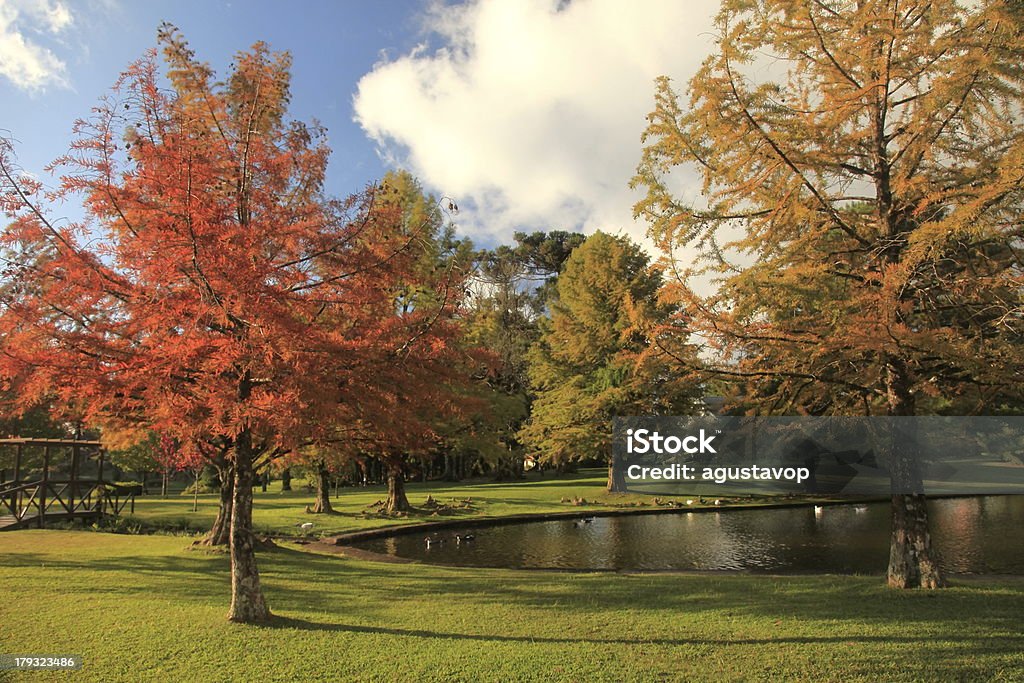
(34,421)
(513,284)
(861,210)
(591,362)
(214,294)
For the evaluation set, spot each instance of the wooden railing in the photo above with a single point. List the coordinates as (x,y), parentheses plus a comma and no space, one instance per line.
(35,501)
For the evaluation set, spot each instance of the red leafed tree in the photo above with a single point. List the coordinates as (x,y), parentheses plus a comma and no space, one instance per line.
(213,293)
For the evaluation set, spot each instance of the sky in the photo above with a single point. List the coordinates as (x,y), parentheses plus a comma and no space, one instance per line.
(527,113)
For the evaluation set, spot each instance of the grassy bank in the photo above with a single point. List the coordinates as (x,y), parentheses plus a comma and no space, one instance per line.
(281,513)
(145,608)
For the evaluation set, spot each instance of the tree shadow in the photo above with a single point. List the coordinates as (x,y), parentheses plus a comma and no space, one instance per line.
(299,581)
(294,623)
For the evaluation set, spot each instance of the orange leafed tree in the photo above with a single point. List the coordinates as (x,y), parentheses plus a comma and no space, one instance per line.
(859,213)
(213,293)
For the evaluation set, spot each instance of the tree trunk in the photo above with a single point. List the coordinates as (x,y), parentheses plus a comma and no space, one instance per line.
(450,471)
(616,480)
(912,562)
(247,602)
(323,489)
(565,467)
(397,500)
(163,485)
(518,464)
(911,559)
(286,479)
(509,468)
(220,533)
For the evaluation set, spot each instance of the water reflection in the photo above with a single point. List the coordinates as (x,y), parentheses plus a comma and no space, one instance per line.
(971,535)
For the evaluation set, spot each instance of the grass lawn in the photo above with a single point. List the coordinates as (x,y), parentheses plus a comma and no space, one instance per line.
(281,513)
(146,608)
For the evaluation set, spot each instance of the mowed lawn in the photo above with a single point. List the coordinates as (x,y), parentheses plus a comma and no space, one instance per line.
(282,513)
(147,608)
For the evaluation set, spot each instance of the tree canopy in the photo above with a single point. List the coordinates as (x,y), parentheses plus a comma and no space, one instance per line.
(860,209)
(591,362)
(214,293)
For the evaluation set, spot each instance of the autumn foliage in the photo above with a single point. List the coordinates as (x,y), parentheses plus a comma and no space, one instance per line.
(860,213)
(213,293)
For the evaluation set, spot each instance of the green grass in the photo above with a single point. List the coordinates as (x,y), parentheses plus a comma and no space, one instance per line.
(281,513)
(146,608)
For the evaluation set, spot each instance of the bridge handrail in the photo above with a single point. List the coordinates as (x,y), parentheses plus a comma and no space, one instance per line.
(117,496)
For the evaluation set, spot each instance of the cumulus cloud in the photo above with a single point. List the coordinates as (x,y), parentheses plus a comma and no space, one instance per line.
(529,112)
(24,60)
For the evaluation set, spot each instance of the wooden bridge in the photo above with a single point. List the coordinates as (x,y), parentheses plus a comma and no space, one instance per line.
(56,479)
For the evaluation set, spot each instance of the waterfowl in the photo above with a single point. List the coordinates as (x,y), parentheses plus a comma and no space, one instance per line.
(718,501)
(689,501)
(433,541)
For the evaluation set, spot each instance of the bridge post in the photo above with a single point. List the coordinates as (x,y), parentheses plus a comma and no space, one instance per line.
(73,484)
(44,484)
(101,504)
(17,498)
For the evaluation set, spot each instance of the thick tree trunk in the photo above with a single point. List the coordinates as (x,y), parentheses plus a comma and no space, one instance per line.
(616,480)
(247,602)
(220,533)
(323,489)
(911,559)
(286,479)
(397,500)
(912,562)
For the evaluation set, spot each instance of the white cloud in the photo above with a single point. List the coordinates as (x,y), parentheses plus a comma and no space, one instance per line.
(23,59)
(530,111)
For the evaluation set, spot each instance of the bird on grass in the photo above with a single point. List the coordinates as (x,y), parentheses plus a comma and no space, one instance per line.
(305,526)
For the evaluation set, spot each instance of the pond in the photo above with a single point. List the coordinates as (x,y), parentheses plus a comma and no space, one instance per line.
(972,535)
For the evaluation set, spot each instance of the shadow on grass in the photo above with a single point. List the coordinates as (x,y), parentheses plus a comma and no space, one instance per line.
(297,581)
(281,622)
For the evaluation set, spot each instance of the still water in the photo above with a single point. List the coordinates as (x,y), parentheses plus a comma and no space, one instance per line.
(972,535)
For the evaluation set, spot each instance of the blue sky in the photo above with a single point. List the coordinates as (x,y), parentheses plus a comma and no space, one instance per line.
(528,112)
(333,44)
